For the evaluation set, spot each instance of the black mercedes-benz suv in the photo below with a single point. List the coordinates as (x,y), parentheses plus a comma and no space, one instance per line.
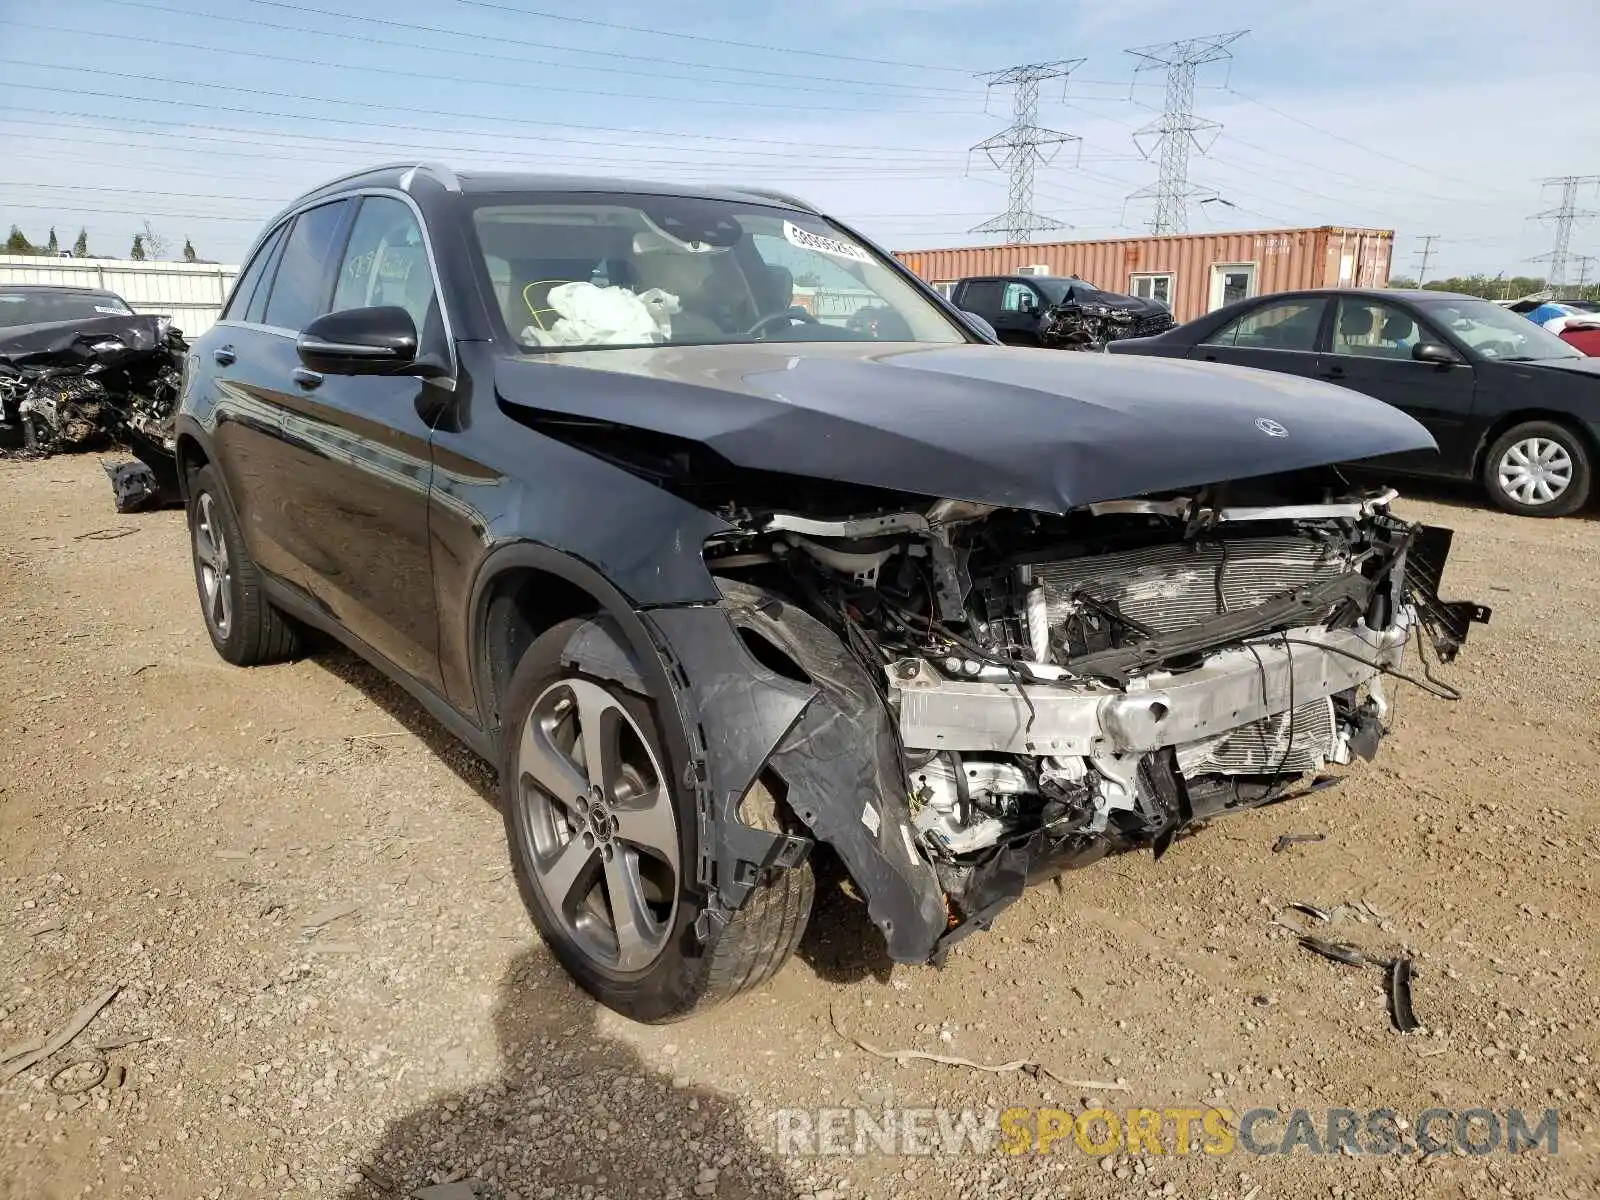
(728,588)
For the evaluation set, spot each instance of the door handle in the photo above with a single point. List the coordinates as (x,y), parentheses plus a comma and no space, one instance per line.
(306,379)
(224,356)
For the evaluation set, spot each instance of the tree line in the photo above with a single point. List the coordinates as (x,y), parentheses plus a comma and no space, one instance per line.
(147,245)
(1498,287)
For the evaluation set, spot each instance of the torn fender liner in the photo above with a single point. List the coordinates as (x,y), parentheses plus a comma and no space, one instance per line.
(830,741)
(730,727)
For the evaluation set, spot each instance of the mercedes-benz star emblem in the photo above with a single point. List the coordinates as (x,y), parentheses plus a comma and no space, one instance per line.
(1270,427)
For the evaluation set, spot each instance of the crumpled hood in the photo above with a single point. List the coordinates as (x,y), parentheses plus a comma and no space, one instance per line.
(1012,427)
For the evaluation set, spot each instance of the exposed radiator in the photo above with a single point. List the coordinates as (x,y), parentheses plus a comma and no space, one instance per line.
(1177,585)
(1262,747)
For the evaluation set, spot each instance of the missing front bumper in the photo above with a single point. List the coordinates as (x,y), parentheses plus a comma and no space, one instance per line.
(1234,687)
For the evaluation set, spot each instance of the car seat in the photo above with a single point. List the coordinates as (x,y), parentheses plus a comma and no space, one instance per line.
(1355,327)
(1399,333)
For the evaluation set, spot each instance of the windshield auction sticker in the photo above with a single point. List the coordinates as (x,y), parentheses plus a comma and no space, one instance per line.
(823,245)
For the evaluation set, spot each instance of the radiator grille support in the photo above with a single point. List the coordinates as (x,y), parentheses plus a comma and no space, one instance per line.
(1175,586)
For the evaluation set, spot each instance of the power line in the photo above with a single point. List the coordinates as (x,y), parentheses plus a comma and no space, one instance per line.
(1339,137)
(697,37)
(1428,239)
(1565,215)
(412,128)
(541,88)
(1177,129)
(1024,143)
(390,146)
(765,77)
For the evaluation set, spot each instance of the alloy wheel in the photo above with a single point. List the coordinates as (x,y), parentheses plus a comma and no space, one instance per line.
(216,572)
(1535,471)
(598,826)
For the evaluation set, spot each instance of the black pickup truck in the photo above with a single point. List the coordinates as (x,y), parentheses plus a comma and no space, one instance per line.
(1059,312)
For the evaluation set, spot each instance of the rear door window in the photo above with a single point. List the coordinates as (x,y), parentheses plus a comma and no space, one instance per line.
(1284,325)
(982,296)
(239,304)
(304,280)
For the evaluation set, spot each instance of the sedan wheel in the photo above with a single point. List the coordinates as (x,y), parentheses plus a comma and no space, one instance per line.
(600,832)
(1538,469)
(1535,470)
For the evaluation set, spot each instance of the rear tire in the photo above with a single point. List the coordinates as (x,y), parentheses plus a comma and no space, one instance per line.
(556,815)
(1538,469)
(243,626)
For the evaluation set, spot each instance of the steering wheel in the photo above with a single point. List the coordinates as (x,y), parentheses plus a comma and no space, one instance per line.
(795,313)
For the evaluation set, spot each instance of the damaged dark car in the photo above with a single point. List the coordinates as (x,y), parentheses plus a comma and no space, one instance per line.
(80,370)
(726,589)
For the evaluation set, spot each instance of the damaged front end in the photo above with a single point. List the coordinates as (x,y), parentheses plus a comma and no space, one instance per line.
(1090,325)
(78,385)
(961,698)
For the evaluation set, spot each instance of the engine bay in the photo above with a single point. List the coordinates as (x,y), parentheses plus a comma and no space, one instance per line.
(1068,686)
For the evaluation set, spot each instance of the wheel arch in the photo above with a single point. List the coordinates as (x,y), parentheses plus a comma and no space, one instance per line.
(191,454)
(521,591)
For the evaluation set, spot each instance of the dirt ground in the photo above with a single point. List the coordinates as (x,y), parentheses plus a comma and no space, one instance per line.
(170,826)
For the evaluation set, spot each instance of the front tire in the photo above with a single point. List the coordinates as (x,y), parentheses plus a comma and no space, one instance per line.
(603,844)
(243,626)
(1538,469)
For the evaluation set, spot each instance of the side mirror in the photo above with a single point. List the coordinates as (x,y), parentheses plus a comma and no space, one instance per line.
(1436,353)
(360,341)
(982,326)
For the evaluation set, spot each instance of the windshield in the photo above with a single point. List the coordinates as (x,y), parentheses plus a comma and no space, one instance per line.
(41,308)
(1058,290)
(1495,332)
(576,272)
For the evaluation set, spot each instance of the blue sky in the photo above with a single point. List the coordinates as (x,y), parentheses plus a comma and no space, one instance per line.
(202,116)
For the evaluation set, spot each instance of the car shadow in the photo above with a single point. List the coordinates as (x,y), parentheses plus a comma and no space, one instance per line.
(571,1111)
(841,944)
(350,668)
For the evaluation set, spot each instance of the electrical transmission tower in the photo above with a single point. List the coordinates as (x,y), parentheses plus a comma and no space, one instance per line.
(1177,129)
(1428,239)
(1023,146)
(1565,215)
(1584,261)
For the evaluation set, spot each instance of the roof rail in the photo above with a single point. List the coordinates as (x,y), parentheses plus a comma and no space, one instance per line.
(445,176)
(785,197)
(349,175)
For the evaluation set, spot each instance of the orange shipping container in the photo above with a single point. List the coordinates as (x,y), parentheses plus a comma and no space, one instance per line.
(1193,272)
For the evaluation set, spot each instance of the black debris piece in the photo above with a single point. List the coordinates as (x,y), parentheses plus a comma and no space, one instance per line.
(1400,1010)
(133,485)
(1339,952)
